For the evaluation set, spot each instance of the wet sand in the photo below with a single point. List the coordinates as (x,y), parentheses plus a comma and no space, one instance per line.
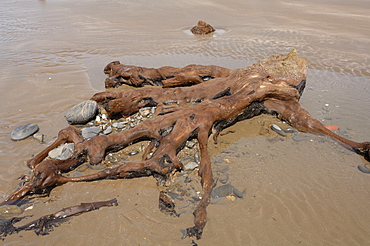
(306,193)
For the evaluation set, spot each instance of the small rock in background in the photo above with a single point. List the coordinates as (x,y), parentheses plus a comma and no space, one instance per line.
(62,152)
(82,113)
(90,132)
(24,131)
(39,136)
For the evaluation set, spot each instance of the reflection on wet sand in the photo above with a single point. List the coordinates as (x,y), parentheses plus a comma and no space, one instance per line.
(310,193)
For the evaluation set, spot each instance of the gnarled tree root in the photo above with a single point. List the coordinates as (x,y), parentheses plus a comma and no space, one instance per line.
(273,85)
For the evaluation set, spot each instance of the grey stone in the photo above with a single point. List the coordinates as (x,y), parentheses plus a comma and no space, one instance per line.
(277,129)
(90,132)
(24,131)
(135,152)
(290,130)
(190,144)
(82,112)
(39,136)
(108,130)
(145,111)
(227,190)
(224,177)
(191,165)
(62,152)
(121,124)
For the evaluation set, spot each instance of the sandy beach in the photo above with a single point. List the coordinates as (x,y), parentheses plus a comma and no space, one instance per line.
(303,189)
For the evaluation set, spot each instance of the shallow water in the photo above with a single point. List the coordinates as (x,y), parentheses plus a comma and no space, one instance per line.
(52,54)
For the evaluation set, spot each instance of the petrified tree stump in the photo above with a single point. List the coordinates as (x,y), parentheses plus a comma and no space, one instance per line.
(194,102)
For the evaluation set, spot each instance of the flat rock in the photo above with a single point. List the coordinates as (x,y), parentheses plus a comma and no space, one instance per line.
(90,132)
(24,131)
(227,190)
(145,111)
(62,152)
(39,136)
(82,112)
(108,130)
(191,165)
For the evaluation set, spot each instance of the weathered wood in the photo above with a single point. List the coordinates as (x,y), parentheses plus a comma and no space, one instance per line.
(206,100)
(45,224)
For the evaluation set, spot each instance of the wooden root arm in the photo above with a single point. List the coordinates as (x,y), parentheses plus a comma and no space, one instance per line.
(299,118)
(45,223)
(165,76)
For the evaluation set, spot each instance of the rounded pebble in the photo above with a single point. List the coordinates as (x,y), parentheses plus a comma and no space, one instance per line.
(277,129)
(191,165)
(190,144)
(24,131)
(82,112)
(39,136)
(290,130)
(108,130)
(364,168)
(121,124)
(62,152)
(223,191)
(224,177)
(90,132)
(240,194)
(133,152)
(145,111)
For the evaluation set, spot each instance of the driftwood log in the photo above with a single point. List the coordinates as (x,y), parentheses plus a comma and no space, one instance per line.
(45,224)
(194,102)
